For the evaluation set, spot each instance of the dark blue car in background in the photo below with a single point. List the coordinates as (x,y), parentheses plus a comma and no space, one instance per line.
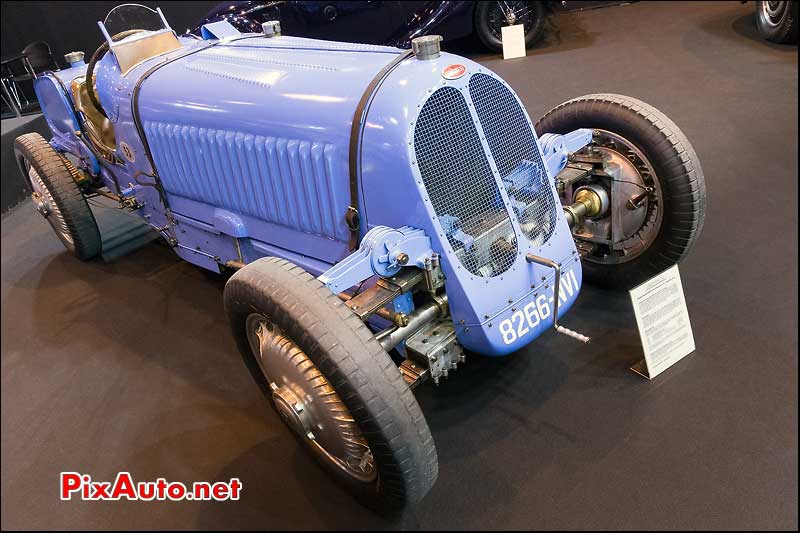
(391,23)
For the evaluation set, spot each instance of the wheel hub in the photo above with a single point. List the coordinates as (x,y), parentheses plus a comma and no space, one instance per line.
(40,204)
(636,201)
(509,13)
(293,411)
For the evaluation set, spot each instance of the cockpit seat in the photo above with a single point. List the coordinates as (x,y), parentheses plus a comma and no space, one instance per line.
(99,129)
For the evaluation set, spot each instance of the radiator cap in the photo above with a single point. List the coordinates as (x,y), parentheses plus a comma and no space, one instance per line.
(271,28)
(427,47)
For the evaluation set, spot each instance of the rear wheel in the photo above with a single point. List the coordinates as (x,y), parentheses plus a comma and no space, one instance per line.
(490,17)
(56,196)
(332,383)
(777,21)
(656,188)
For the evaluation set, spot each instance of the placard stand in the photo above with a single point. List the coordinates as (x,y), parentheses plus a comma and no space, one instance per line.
(663,322)
(640,367)
(513,38)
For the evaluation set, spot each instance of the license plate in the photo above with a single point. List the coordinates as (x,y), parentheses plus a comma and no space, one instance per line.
(538,310)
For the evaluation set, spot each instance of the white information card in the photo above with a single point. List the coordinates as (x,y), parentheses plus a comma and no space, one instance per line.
(663,322)
(513,38)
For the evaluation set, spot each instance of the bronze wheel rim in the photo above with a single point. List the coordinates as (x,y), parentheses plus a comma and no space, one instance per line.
(307,401)
(45,204)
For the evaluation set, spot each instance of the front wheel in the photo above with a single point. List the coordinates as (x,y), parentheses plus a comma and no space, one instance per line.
(654,183)
(56,196)
(490,17)
(332,383)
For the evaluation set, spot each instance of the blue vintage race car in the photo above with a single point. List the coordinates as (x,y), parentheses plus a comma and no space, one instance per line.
(385,211)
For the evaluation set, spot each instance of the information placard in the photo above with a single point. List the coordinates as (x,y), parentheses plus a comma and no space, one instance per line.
(663,322)
(513,38)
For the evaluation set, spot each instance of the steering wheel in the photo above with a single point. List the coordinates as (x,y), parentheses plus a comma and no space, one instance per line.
(97,56)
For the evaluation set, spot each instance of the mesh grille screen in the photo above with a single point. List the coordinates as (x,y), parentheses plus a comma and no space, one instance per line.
(517,156)
(461,186)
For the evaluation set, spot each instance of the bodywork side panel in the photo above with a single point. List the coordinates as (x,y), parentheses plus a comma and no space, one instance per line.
(259,131)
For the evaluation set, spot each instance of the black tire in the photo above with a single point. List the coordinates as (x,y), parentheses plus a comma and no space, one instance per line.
(487,31)
(777,21)
(353,362)
(70,216)
(677,170)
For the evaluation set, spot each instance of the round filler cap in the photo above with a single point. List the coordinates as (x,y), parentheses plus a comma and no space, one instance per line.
(427,47)
(74,57)
(271,28)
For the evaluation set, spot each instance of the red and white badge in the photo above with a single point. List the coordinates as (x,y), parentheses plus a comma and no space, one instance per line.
(454,71)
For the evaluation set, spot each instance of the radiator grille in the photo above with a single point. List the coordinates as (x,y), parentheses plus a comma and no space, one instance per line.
(516,153)
(461,186)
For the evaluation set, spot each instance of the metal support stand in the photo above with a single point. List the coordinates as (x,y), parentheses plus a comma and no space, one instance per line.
(10,100)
